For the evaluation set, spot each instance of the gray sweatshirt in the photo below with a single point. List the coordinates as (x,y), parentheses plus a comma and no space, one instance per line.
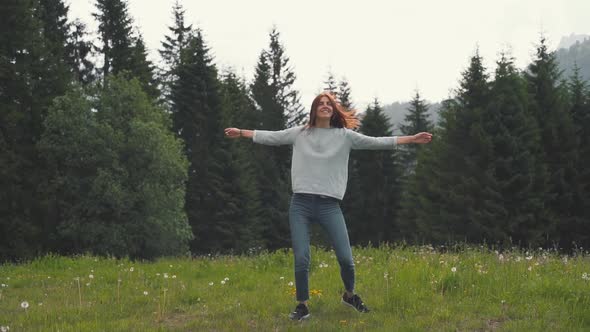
(320,155)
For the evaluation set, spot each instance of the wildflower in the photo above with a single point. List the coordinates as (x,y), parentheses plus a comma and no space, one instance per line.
(131,269)
(145,293)
(385,275)
(165,275)
(290,283)
(87,284)
(170,265)
(24,304)
(91,276)
(174,276)
(530,268)
(211,283)
(157,274)
(585,276)
(226,279)
(4,285)
(528,258)
(518,259)
(282,278)
(453,269)
(502,301)
(4,328)
(223,282)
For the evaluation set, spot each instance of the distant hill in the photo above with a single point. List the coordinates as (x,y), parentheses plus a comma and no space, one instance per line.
(577,53)
(567,41)
(396,112)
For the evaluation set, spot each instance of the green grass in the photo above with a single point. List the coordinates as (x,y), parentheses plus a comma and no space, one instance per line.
(408,289)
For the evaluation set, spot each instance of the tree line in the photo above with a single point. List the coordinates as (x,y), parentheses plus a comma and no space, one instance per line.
(105,152)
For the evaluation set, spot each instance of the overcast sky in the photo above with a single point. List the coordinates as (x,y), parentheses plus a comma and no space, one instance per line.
(386,49)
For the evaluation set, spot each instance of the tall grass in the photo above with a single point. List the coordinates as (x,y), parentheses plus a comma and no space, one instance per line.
(407,288)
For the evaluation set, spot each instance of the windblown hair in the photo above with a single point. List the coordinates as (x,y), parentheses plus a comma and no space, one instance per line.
(341,117)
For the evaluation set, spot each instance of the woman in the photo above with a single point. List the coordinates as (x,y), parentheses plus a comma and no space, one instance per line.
(319,173)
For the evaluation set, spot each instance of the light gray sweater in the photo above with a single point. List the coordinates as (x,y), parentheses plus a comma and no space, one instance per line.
(320,155)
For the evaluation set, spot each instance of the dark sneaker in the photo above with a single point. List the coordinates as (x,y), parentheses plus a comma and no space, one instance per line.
(300,313)
(355,302)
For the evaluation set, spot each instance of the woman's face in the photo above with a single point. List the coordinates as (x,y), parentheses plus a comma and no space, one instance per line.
(324,110)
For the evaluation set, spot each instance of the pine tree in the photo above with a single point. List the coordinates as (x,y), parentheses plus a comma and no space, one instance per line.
(579,106)
(374,186)
(197,118)
(282,79)
(344,94)
(514,182)
(450,207)
(79,50)
(558,138)
(172,48)
(416,120)
(279,108)
(330,84)
(121,50)
(242,195)
(33,71)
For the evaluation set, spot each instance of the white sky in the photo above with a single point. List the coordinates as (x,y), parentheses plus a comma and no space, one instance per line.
(385,48)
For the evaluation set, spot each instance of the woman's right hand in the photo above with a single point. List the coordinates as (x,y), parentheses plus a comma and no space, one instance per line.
(233,132)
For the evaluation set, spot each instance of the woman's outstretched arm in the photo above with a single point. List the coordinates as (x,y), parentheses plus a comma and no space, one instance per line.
(266,137)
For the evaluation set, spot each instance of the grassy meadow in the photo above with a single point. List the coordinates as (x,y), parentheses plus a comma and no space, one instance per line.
(407,289)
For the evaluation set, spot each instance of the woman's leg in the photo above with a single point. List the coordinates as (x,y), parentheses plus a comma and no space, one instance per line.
(332,220)
(300,214)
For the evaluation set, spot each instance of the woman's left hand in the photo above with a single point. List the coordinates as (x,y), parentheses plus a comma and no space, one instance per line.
(421,138)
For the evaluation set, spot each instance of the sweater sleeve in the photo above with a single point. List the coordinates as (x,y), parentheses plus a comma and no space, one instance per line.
(280,137)
(363,142)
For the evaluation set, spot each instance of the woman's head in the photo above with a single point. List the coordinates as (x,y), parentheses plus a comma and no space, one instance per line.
(325,106)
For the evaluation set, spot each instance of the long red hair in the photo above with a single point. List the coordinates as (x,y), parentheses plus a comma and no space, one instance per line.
(341,117)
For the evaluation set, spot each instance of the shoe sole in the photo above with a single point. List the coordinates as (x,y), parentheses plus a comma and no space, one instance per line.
(353,307)
(302,318)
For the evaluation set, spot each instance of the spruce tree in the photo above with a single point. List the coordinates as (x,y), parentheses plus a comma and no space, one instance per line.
(374,186)
(121,49)
(79,51)
(330,84)
(344,94)
(579,107)
(416,120)
(33,71)
(197,118)
(172,48)
(450,207)
(242,198)
(279,108)
(558,139)
(514,182)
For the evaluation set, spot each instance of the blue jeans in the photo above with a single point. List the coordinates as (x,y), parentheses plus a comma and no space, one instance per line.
(304,210)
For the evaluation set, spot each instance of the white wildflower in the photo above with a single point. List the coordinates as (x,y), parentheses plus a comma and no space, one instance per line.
(290,283)
(453,269)
(145,293)
(24,304)
(91,276)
